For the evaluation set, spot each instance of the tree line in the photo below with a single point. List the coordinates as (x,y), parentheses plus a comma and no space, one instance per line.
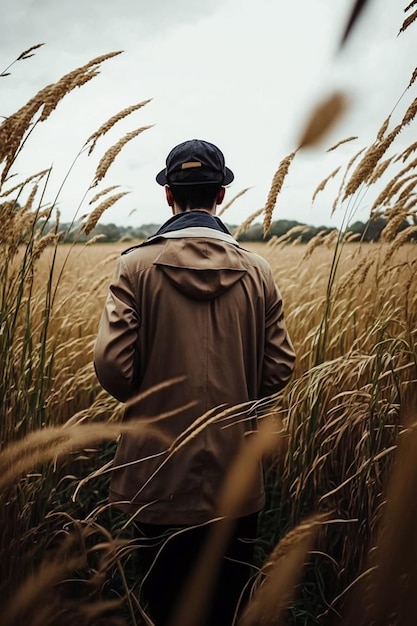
(292,229)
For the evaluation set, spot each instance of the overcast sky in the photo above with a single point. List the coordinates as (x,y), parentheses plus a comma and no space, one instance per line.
(243,74)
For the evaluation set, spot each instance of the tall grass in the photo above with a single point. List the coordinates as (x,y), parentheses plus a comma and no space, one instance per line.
(351,309)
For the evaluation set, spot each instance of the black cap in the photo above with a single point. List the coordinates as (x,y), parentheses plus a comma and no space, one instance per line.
(195,162)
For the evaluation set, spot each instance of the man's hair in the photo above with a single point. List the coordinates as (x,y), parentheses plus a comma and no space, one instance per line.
(195,196)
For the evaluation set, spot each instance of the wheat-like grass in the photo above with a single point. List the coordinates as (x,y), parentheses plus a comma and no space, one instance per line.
(341,142)
(56,442)
(400,239)
(41,598)
(347,170)
(43,243)
(26,54)
(110,155)
(104,128)
(276,186)
(407,191)
(323,118)
(245,225)
(393,187)
(386,594)
(410,6)
(360,269)
(383,129)
(100,209)
(366,167)
(405,154)
(14,128)
(313,244)
(103,192)
(235,197)
(282,573)
(411,111)
(413,78)
(37,176)
(408,21)
(324,182)
(379,170)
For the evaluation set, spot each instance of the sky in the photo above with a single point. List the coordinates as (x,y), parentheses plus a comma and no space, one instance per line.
(243,74)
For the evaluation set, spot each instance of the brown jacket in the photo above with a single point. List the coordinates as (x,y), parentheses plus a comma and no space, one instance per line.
(190,303)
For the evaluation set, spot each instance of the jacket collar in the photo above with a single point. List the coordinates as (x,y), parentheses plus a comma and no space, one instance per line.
(192,219)
(193,224)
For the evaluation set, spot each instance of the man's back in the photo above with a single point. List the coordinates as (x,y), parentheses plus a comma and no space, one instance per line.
(206,310)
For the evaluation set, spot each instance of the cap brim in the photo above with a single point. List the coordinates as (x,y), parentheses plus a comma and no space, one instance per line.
(229,176)
(161,179)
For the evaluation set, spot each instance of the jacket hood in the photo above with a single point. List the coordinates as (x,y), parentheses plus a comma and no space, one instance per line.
(201,269)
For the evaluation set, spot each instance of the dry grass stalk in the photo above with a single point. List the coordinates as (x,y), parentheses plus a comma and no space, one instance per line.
(349,165)
(413,78)
(38,176)
(103,192)
(351,276)
(400,239)
(43,243)
(379,170)
(42,600)
(288,236)
(26,54)
(340,143)
(386,595)
(229,204)
(408,21)
(407,191)
(100,209)
(26,599)
(50,444)
(285,545)
(113,151)
(395,217)
(314,243)
(14,128)
(247,223)
(410,6)
(411,111)
(407,152)
(276,187)
(383,129)
(322,119)
(389,191)
(194,601)
(396,188)
(324,182)
(29,202)
(365,168)
(111,122)
(281,574)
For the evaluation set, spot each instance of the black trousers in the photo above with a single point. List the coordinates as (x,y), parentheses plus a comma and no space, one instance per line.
(167,566)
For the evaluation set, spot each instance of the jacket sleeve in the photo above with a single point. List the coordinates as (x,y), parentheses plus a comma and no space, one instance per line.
(115,355)
(279,355)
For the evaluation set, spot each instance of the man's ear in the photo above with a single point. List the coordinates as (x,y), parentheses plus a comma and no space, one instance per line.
(220,195)
(169,196)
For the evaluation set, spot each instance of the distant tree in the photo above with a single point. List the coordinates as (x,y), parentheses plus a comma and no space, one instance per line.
(372,230)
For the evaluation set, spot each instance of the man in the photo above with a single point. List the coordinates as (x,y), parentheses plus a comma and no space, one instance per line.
(190,306)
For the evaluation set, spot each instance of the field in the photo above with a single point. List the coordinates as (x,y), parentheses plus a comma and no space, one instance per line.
(351,394)
(336,539)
